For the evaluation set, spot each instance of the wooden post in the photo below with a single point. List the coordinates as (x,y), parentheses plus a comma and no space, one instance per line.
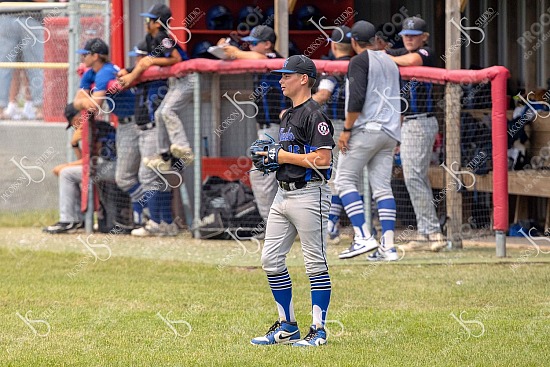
(452,125)
(281,26)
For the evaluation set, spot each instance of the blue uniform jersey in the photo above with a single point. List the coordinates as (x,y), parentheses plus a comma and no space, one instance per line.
(122,103)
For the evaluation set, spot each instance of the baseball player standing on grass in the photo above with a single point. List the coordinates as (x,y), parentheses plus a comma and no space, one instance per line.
(301,204)
(371,132)
(419,131)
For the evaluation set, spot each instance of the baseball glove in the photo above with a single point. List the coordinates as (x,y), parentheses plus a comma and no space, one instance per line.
(269,163)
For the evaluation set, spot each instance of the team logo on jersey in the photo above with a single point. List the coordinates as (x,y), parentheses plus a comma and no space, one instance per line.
(323,128)
(167,43)
(423,52)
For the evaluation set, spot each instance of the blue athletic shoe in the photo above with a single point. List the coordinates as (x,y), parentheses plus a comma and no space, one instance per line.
(279,333)
(315,338)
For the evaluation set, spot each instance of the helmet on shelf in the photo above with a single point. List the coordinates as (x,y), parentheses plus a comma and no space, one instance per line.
(251,15)
(304,14)
(219,17)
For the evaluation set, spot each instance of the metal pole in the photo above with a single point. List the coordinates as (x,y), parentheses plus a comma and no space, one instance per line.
(198,152)
(89,220)
(72,77)
(501,243)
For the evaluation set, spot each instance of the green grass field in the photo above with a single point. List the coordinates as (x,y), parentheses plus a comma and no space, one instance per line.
(185,302)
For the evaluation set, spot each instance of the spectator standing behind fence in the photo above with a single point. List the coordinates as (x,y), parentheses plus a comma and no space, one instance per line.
(331,94)
(163,50)
(70,178)
(269,100)
(22,36)
(419,130)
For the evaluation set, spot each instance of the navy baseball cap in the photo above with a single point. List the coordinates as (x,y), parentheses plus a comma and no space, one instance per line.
(362,31)
(298,64)
(70,113)
(340,35)
(139,50)
(94,46)
(158,11)
(261,33)
(413,26)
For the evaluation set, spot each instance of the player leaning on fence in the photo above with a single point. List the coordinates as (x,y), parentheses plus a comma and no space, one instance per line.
(301,205)
(174,148)
(418,135)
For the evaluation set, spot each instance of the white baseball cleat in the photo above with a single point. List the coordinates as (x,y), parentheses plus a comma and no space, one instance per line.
(359,246)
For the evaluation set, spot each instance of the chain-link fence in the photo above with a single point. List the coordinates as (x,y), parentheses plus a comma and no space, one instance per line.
(232,109)
(37,77)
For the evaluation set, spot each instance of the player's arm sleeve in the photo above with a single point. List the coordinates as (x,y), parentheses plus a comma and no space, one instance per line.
(87,80)
(358,79)
(426,54)
(321,131)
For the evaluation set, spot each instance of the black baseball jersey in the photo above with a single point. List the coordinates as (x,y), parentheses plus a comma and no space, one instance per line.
(418,94)
(304,129)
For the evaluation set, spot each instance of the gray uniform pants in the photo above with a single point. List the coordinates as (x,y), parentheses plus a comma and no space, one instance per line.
(132,144)
(417,140)
(70,179)
(178,99)
(373,148)
(128,157)
(303,212)
(265,186)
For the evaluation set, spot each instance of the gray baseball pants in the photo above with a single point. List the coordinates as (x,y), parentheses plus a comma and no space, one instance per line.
(370,147)
(70,179)
(132,144)
(417,140)
(303,212)
(178,99)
